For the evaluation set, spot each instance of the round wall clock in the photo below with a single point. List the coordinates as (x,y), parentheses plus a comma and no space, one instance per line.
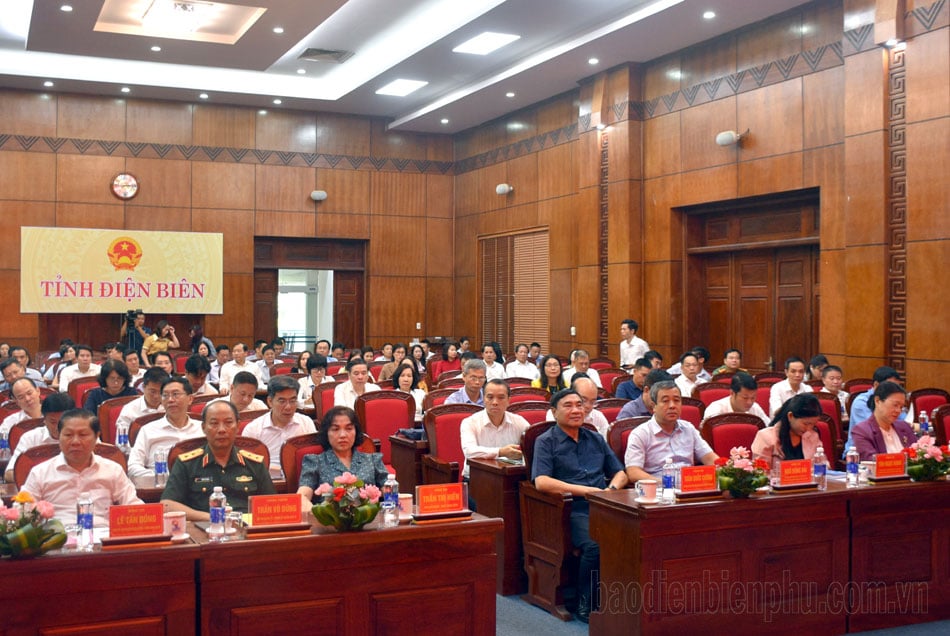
(125,186)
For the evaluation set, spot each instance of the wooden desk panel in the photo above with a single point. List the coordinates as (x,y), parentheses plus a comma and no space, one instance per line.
(407,580)
(406,456)
(140,591)
(494,487)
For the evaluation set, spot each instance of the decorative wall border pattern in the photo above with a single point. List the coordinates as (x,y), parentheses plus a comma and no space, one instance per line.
(219,154)
(896,345)
(602,252)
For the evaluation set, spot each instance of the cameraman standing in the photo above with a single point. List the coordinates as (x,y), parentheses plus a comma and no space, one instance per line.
(134,339)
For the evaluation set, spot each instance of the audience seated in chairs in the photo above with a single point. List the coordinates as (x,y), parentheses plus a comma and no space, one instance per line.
(47,432)
(282,422)
(175,426)
(741,399)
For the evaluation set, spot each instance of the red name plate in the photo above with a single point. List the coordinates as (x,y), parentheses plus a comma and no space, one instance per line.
(698,478)
(137,520)
(272,510)
(795,472)
(889,465)
(439,498)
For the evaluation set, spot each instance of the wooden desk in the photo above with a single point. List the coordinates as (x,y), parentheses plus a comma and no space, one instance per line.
(406,580)
(494,487)
(141,591)
(406,456)
(677,568)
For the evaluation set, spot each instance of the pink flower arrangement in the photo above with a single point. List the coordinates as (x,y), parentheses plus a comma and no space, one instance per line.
(323,489)
(347,503)
(28,529)
(371,492)
(347,479)
(926,461)
(740,475)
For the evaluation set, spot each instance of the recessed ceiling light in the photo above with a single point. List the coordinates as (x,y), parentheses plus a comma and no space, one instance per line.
(66,8)
(709,15)
(156,49)
(509,94)
(301,71)
(278,102)
(125,89)
(592,61)
(203,96)
(486,43)
(278,30)
(48,84)
(401,87)
(444,121)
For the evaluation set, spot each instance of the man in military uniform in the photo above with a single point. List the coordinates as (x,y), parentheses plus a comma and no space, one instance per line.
(240,473)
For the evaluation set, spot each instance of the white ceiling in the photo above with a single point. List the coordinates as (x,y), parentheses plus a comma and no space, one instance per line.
(390,39)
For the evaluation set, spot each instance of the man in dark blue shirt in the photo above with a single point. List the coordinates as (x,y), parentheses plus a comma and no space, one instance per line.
(634,388)
(577,460)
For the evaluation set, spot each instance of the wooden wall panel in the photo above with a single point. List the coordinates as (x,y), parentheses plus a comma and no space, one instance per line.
(625,232)
(926,310)
(158,122)
(586,210)
(519,125)
(562,311)
(587,160)
(711,184)
(284,188)
(354,226)
(347,191)
(286,224)
(865,300)
(222,185)
(708,61)
(28,113)
(388,253)
(821,24)
(833,327)
(627,297)
(16,214)
(928,67)
(772,39)
(86,179)
(464,306)
(91,215)
(864,161)
(157,219)
(440,316)
(466,245)
(161,182)
(509,219)
(343,134)
(626,154)
(660,195)
(523,175)
(824,168)
(557,113)
(285,130)
(236,324)
(661,146)
(395,143)
(773,114)
(396,304)
(586,302)
(561,219)
(437,241)
(439,148)
(823,104)
(486,180)
(237,226)
(223,126)
(928,189)
(90,117)
(17,327)
(772,174)
(466,194)
(439,196)
(27,176)
(701,124)
(864,98)
(555,172)
(398,194)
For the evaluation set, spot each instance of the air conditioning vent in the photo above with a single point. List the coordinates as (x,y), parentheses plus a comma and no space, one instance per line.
(326,55)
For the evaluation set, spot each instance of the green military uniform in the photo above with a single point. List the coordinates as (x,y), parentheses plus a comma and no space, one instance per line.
(196,473)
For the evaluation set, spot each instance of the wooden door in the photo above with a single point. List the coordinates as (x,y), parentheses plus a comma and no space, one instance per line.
(265,304)
(348,308)
(760,302)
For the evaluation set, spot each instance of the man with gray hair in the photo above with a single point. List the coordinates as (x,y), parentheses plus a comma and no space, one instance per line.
(586,388)
(580,363)
(474,373)
(282,422)
(664,436)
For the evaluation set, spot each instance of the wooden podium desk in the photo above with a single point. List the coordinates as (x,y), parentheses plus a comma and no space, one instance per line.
(494,487)
(410,580)
(142,591)
(406,457)
(819,562)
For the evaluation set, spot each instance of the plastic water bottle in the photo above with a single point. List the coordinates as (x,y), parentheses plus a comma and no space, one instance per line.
(161,468)
(217,507)
(853,462)
(84,519)
(122,438)
(924,423)
(819,469)
(669,482)
(5,455)
(390,502)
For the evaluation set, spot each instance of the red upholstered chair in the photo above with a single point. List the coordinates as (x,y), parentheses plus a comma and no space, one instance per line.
(762,396)
(534,412)
(769,377)
(692,411)
(610,407)
(725,432)
(139,422)
(831,406)
(323,399)
(18,429)
(446,375)
(926,400)
(513,382)
(385,385)
(335,367)
(39,454)
(382,413)
(940,423)
(443,464)
(180,361)
(436,397)
(723,376)
(858,385)
(619,432)
(295,449)
(8,408)
(241,443)
(545,536)
(528,394)
(283,368)
(77,389)
(817,385)
(609,375)
(198,403)
(343,376)
(709,392)
(601,364)
(825,427)
(452,383)
(108,414)
(851,398)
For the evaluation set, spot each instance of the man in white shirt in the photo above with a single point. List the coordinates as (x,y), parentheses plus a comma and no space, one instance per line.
(266,363)
(493,432)
(586,388)
(77,469)
(222,357)
(521,367)
(84,368)
(743,388)
(164,433)
(21,355)
(197,369)
(345,393)
(131,359)
(491,356)
(243,393)
(689,378)
(151,400)
(793,384)
(283,421)
(27,397)
(53,407)
(236,365)
(632,348)
(580,363)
